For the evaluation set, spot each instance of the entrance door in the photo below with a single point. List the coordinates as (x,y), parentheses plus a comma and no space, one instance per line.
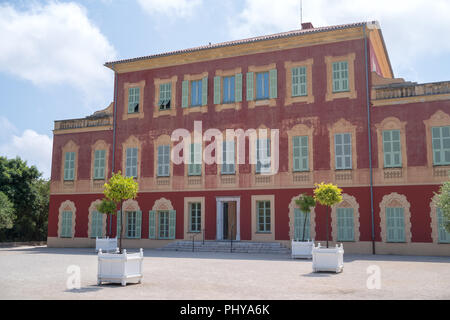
(229,220)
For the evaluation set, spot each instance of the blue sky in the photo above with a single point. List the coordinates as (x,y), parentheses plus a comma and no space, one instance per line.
(52,52)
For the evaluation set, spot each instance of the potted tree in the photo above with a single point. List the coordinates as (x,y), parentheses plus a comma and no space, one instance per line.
(109,208)
(328,259)
(120,267)
(303,248)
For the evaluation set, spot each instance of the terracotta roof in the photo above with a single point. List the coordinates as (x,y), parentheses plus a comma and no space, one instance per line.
(243,41)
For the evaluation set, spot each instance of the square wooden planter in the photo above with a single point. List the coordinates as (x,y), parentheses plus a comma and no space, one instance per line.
(328,259)
(120,268)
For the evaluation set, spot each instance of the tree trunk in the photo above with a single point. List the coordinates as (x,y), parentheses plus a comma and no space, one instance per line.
(327,225)
(304,226)
(121,227)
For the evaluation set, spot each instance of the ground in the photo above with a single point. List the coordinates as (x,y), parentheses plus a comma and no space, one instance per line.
(41,273)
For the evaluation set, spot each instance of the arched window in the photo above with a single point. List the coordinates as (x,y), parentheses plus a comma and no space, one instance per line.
(395,218)
(345,220)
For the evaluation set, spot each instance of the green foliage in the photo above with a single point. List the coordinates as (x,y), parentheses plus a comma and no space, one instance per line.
(305,203)
(120,188)
(327,194)
(443,202)
(6,212)
(107,207)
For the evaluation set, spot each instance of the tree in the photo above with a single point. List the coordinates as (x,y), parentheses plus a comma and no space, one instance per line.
(107,207)
(443,202)
(327,195)
(6,212)
(305,203)
(119,189)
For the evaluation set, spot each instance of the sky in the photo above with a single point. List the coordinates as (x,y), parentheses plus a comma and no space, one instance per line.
(52,51)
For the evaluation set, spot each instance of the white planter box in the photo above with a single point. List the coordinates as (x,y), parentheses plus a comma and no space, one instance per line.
(331,259)
(302,249)
(120,268)
(106,244)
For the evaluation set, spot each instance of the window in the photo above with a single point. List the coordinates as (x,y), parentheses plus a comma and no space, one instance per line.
(228,166)
(441,145)
(343,151)
(345,224)
(263,216)
(69,166)
(131,162)
(300,224)
(195,216)
(99,164)
(228,89)
(263,156)
(395,225)
(299,85)
(444,235)
(131,224)
(262,85)
(163,224)
(391,149)
(300,153)
(165,96)
(66,224)
(166,223)
(196,93)
(195,165)
(340,76)
(163,161)
(133,100)
(96,224)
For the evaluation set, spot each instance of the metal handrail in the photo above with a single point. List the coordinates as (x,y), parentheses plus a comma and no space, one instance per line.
(231,239)
(193,243)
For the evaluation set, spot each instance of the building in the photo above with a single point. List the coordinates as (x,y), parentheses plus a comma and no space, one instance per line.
(321,88)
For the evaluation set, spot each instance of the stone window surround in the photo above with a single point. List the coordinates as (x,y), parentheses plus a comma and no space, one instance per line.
(395,200)
(391,123)
(342,126)
(187,200)
(132,142)
(301,130)
(126,86)
(229,73)
(312,219)
(67,206)
(266,236)
(172,111)
(195,77)
(309,98)
(258,69)
(351,94)
(92,208)
(348,201)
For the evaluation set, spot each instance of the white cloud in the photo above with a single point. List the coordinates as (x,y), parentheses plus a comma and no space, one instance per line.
(413,29)
(170,8)
(56,44)
(31,146)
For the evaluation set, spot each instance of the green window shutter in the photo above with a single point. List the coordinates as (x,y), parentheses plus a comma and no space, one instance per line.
(441,145)
(94,225)
(345,224)
(185,94)
(300,153)
(69,166)
(444,236)
(250,86)
(395,225)
(217,89)
(195,164)
(138,224)
(343,151)
(392,149)
(238,88)
(340,76)
(133,99)
(172,223)
(273,84)
(152,224)
(299,222)
(299,85)
(66,224)
(205,91)
(99,164)
(119,224)
(400,225)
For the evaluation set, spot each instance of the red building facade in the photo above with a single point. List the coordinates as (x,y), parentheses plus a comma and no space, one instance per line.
(321,88)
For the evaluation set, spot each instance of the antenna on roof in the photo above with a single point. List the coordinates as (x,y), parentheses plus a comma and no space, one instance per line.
(301,12)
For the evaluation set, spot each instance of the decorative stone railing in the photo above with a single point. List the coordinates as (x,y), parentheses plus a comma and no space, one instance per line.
(83,123)
(411,90)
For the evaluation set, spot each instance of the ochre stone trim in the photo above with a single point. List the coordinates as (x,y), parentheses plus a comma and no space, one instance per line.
(188,235)
(309,98)
(162,205)
(348,201)
(70,146)
(131,205)
(140,114)
(173,104)
(395,200)
(413,99)
(263,236)
(438,119)
(343,126)
(301,130)
(92,208)
(162,140)
(380,52)
(67,206)
(351,94)
(132,142)
(312,219)
(257,69)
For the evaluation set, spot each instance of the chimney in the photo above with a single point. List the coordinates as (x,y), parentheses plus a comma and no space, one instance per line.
(307,25)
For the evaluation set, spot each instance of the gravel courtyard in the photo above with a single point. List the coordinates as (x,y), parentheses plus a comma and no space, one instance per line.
(41,273)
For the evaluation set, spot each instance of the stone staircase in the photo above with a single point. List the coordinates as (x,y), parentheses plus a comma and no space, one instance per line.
(225,246)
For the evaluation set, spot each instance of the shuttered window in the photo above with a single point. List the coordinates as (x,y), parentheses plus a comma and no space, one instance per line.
(229,89)
(69,166)
(441,145)
(392,149)
(133,100)
(262,85)
(196,93)
(195,164)
(444,235)
(96,224)
(263,156)
(299,85)
(228,166)
(300,153)
(250,86)
(133,225)
(163,224)
(99,164)
(340,76)
(300,224)
(131,162)
(345,224)
(343,151)
(195,216)
(66,224)
(165,96)
(263,216)
(395,225)
(163,161)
